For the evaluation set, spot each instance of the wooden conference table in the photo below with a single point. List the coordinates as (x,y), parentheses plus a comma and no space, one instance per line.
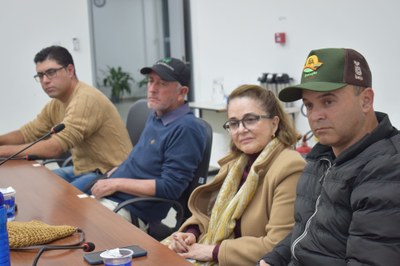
(43,196)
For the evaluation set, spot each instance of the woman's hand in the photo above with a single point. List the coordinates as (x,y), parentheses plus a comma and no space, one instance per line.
(200,252)
(181,241)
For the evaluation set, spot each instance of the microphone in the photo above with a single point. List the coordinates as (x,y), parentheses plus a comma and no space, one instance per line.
(87,247)
(54,130)
(32,157)
(27,157)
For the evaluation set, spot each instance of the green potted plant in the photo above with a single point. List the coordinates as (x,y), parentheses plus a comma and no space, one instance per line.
(119,81)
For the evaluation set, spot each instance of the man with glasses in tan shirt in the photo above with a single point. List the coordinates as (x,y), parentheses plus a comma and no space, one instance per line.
(94,132)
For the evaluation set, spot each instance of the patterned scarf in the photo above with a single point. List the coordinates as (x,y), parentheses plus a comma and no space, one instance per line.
(231,203)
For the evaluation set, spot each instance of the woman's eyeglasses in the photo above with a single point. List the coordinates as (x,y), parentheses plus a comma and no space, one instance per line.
(248,122)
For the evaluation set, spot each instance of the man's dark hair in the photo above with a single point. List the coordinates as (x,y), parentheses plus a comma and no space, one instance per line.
(56,53)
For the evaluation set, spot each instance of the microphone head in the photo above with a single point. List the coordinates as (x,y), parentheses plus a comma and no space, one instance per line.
(32,157)
(58,128)
(88,246)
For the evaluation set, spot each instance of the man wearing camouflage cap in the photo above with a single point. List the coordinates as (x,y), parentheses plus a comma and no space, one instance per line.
(347,206)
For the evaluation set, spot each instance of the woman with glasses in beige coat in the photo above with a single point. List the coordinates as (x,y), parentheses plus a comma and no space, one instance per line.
(248,207)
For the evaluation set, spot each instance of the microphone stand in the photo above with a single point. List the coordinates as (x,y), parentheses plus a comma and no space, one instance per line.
(56,129)
(87,247)
(30,145)
(80,244)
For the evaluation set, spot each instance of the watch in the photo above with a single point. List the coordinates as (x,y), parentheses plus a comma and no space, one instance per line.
(99,3)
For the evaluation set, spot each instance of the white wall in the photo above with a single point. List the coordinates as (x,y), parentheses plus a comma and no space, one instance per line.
(234,39)
(26,27)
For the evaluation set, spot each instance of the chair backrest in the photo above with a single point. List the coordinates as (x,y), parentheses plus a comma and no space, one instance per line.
(201,174)
(136,119)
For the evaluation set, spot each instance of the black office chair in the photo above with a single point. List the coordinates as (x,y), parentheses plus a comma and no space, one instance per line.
(162,230)
(136,119)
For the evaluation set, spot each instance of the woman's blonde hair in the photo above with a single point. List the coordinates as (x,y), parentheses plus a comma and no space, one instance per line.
(272,106)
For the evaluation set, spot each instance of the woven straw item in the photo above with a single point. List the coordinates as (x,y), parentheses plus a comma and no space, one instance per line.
(25,234)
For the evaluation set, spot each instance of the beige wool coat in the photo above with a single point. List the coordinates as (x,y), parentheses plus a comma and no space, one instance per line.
(269,216)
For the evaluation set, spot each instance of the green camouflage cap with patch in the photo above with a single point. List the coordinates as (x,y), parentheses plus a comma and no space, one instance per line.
(330,69)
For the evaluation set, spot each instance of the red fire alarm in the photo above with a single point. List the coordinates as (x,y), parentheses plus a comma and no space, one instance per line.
(280,37)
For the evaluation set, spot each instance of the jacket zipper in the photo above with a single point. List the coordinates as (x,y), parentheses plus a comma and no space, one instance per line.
(321,180)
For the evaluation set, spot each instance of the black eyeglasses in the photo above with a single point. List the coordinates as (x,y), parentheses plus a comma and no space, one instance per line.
(50,73)
(248,122)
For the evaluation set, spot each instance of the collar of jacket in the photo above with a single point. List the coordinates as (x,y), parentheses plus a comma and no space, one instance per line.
(260,165)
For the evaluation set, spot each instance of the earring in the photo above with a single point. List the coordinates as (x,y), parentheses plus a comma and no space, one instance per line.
(273,135)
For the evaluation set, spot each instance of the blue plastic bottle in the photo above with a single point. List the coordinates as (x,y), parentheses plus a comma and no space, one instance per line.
(4,247)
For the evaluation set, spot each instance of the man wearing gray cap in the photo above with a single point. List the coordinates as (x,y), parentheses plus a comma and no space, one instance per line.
(169,150)
(347,205)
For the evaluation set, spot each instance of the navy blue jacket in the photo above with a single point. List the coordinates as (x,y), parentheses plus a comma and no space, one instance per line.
(169,150)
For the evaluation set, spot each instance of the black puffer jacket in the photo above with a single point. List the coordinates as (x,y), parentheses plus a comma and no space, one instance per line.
(347,209)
